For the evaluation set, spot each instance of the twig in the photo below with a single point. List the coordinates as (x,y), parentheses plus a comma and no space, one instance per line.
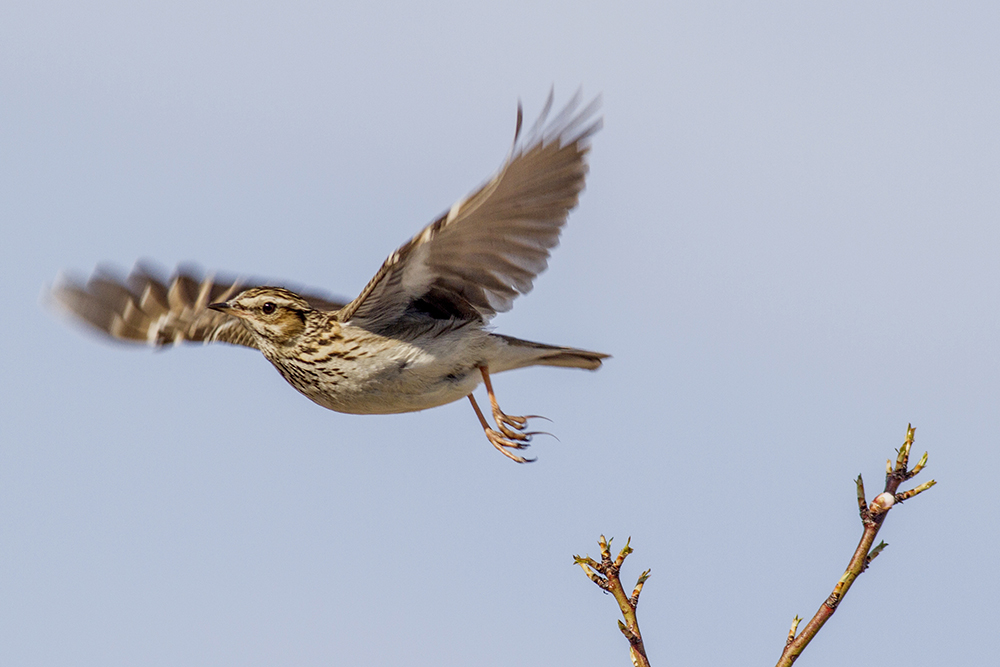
(605,575)
(872,516)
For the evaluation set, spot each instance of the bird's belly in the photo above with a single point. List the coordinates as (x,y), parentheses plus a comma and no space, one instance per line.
(388,395)
(410,379)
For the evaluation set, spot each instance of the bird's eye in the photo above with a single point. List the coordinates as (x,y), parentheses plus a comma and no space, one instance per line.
(268,308)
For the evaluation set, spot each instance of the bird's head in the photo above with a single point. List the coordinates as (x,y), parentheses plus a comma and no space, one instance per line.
(273,315)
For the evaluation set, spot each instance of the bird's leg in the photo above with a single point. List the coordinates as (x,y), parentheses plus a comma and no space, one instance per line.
(511,426)
(509,433)
(497,439)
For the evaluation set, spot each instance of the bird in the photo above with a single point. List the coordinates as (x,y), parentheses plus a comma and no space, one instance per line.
(417,335)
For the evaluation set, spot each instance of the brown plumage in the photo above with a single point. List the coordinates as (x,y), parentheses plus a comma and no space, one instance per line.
(415,337)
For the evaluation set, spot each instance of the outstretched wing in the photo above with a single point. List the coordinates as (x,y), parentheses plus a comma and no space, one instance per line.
(144,308)
(476,259)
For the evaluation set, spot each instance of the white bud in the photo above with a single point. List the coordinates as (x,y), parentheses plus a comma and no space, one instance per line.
(883,501)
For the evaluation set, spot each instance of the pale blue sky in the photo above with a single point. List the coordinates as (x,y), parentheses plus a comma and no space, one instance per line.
(788,242)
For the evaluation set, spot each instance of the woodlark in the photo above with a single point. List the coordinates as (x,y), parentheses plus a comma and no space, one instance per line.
(416,336)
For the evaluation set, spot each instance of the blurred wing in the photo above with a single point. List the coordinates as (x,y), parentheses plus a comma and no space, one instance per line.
(143,308)
(476,259)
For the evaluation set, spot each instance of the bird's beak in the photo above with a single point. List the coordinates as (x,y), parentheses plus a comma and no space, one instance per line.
(229,309)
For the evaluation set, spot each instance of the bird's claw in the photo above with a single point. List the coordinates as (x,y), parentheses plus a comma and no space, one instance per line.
(513,425)
(504,444)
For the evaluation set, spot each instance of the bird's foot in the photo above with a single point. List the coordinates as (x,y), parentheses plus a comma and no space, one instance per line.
(512,426)
(509,433)
(504,445)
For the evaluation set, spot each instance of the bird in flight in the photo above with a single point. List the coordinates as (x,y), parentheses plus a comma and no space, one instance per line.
(416,337)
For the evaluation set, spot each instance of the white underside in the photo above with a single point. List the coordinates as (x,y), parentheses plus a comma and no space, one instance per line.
(406,378)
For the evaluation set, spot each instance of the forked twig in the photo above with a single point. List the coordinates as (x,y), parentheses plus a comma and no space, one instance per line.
(872,517)
(605,575)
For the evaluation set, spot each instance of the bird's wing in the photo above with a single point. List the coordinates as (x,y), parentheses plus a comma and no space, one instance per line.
(473,261)
(145,308)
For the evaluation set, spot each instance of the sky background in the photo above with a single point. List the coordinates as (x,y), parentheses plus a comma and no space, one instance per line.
(788,243)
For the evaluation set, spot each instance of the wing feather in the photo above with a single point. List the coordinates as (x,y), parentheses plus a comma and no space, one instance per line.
(145,308)
(489,247)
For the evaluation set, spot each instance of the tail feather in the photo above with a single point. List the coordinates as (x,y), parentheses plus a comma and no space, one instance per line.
(528,353)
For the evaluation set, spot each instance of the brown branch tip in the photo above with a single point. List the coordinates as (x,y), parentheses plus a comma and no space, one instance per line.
(873,515)
(605,575)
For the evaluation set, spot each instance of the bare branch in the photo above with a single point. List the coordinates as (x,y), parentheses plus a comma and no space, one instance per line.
(872,517)
(611,583)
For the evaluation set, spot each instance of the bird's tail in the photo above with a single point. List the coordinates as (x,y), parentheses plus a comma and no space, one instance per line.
(521,353)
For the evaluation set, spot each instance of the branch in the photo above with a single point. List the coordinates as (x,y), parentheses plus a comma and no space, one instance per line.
(872,517)
(605,575)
